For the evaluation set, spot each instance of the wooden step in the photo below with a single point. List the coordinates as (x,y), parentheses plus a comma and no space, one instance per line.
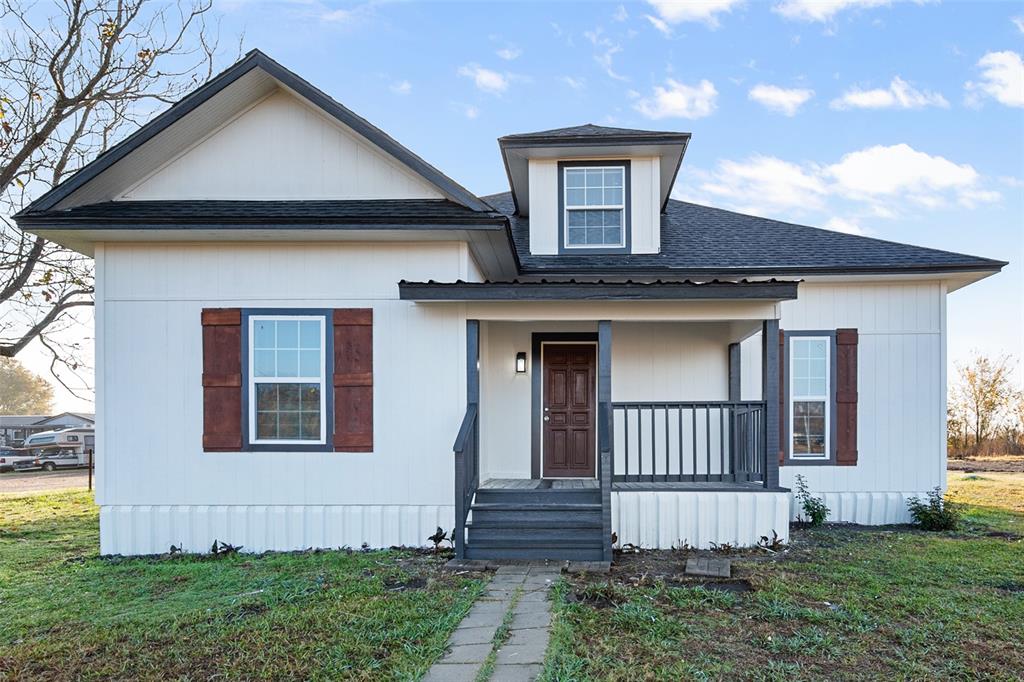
(552,553)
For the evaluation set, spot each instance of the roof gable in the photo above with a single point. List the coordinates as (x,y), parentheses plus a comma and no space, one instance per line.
(205,110)
(282,149)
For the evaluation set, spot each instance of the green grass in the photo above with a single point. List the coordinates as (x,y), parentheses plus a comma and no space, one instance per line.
(69,614)
(839,604)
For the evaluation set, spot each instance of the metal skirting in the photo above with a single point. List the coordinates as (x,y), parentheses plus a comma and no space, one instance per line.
(152,529)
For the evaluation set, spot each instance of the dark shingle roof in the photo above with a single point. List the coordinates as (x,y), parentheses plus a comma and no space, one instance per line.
(192,212)
(699,240)
(591,132)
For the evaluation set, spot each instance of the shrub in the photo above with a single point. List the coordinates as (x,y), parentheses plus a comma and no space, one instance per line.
(935,513)
(813,507)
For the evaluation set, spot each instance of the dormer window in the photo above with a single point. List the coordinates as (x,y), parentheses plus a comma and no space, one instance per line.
(593,197)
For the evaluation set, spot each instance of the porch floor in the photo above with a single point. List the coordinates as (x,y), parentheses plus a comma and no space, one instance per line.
(623,486)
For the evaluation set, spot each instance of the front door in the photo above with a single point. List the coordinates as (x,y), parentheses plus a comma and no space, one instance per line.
(569,410)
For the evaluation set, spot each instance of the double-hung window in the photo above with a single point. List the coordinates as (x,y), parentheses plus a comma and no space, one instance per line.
(594,205)
(286,379)
(810,394)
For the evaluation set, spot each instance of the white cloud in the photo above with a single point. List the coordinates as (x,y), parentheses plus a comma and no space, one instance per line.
(1018,22)
(401,87)
(659,24)
(485,79)
(679,11)
(879,181)
(509,53)
(606,56)
(574,83)
(784,100)
(620,13)
(838,224)
(678,100)
(470,112)
(1002,78)
(899,95)
(822,10)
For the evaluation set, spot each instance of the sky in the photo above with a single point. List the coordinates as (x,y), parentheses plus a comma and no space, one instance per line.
(897,120)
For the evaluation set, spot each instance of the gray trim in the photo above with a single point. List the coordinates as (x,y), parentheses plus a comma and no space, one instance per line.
(327,314)
(536,387)
(734,372)
(641,486)
(604,291)
(770,395)
(627,221)
(980,265)
(51,222)
(675,174)
(605,437)
(784,437)
(252,60)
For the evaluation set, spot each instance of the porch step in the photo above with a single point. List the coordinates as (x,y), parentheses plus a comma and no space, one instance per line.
(544,523)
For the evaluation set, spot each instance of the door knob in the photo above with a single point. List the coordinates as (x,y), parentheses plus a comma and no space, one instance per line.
(547,418)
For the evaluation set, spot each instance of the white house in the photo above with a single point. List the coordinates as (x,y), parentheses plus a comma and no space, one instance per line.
(297,317)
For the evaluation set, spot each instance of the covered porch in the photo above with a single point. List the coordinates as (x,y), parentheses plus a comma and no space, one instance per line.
(578,395)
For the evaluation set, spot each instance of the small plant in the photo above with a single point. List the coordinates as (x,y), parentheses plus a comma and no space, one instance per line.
(772,544)
(814,507)
(224,548)
(439,536)
(935,513)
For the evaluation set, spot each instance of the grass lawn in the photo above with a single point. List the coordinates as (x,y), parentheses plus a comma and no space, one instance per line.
(839,603)
(66,613)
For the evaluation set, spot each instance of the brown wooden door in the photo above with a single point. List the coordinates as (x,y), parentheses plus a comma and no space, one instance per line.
(569,411)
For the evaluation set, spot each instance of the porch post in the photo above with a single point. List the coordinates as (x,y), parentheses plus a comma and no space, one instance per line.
(733,397)
(770,396)
(604,430)
(467,457)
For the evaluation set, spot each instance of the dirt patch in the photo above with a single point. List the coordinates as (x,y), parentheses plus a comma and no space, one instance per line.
(1009,465)
(1011,587)
(595,598)
(414,583)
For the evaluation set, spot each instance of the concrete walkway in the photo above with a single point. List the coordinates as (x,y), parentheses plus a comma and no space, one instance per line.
(516,593)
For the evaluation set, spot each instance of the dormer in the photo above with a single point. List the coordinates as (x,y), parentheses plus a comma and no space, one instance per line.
(592,189)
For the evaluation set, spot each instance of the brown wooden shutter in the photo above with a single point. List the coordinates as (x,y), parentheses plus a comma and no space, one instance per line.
(222,379)
(353,379)
(783,404)
(846,397)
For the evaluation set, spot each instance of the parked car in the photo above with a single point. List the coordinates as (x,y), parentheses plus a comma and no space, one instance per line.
(53,461)
(10,457)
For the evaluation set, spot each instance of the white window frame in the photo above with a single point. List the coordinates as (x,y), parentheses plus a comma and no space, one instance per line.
(603,207)
(825,398)
(253,379)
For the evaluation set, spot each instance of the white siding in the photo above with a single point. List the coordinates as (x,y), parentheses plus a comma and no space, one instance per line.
(645,211)
(901,392)
(149,357)
(543,206)
(282,148)
(665,520)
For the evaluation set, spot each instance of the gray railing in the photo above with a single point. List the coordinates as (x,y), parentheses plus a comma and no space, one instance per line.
(689,442)
(467,473)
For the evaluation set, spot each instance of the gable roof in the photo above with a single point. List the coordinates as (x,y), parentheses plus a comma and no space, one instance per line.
(700,241)
(257,60)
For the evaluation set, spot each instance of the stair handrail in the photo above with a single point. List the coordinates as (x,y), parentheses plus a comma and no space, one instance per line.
(467,473)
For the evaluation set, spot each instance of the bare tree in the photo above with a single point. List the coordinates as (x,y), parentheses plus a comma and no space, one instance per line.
(981,397)
(75,77)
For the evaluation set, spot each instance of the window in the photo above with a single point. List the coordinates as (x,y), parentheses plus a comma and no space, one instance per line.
(594,203)
(286,389)
(810,393)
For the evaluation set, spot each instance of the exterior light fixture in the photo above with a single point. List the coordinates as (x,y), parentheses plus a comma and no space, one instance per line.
(521,362)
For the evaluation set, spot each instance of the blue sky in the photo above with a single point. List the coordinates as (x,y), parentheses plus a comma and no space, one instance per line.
(901,120)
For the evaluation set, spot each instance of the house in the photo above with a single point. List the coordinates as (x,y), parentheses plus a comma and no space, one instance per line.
(14,429)
(297,318)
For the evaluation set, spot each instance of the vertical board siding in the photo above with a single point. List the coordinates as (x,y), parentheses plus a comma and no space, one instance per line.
(283,148)
(153,411)
(665,520)
(900,384)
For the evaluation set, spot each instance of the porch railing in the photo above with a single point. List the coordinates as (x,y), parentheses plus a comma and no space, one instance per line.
(467,473)
(686,442)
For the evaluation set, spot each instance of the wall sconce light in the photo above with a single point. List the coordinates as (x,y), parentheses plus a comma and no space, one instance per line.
(521,362)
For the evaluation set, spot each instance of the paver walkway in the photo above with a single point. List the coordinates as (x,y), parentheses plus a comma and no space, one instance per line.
(517,592)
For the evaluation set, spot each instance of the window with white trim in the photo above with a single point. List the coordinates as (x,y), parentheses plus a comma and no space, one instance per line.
(595,205)
(810,396)
(287,386)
